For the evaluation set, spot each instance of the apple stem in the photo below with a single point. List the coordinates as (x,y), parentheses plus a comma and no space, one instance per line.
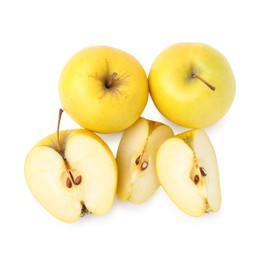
(110,82)
(204,81)
(58,135)
(70,179)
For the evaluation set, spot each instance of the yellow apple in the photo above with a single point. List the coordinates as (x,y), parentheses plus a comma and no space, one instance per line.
(103,89)
(192,84)
(71,174)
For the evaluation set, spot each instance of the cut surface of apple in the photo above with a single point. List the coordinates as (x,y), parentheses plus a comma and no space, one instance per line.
(137,179)
(81,181)
(188,171)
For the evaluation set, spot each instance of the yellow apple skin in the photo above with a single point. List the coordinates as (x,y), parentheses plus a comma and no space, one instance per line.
(86,96)
(185,99)
(46,175)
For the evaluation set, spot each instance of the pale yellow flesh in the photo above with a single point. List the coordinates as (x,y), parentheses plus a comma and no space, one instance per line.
(178,161)
(88,156)
(142,139)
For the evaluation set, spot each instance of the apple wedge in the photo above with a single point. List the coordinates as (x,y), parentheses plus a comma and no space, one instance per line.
(188,171)
(137,179)
(71,174)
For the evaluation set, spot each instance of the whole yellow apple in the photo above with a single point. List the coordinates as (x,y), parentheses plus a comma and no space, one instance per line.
(192,84)
(103,89)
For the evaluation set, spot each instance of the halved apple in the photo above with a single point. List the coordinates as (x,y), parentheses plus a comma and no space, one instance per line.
(137,179)
(72,174)
(188,171)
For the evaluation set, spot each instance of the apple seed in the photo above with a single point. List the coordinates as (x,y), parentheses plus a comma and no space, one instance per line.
(144,165)
(196,179)
(68,183)
(77,181)
(203,171)
(138,159)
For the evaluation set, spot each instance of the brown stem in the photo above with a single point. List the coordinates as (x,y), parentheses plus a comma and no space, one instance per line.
(58,134)
(110,82)
(70,178)
(204,81)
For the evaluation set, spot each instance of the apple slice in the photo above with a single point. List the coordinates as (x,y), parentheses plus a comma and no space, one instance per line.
(137,179)
(72,174)
(188,171)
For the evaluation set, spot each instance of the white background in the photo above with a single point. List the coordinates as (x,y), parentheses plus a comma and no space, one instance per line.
(37,38)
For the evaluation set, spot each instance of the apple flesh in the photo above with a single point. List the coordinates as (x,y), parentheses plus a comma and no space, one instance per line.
(79,180)
(188,171)
(137,179)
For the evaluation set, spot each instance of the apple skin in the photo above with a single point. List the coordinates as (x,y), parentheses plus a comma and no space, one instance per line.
(186,100)
(86,97)
(45,174)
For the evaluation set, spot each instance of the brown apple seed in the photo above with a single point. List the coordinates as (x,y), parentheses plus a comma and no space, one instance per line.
(77,181)
(137,161)
(203,171)
(196,179)
(68,183)
(144,165)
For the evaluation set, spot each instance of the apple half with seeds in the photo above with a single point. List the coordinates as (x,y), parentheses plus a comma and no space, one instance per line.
(72,173)
(137,178)
(188,171)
